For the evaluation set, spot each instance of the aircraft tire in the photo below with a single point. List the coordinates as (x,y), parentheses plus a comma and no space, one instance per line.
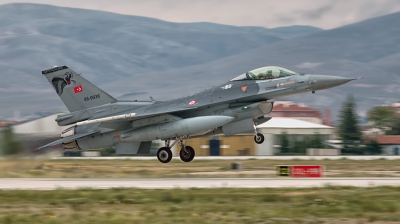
(164,154)
(259,138)
(187,155)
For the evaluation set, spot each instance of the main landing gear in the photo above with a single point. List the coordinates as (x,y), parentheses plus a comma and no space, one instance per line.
(187,152)
(164,154)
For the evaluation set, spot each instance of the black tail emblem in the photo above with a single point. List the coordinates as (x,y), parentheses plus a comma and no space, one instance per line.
(59,83)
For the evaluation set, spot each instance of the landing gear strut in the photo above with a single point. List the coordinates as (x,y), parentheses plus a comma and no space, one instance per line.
(258,137)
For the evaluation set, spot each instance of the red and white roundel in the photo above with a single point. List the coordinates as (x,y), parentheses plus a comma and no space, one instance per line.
(193,102)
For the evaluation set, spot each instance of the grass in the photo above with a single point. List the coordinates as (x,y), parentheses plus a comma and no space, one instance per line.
(70,168)
(330,204)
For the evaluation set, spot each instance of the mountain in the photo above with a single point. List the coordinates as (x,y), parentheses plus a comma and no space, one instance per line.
(367,49)
(106,47)
(134,57)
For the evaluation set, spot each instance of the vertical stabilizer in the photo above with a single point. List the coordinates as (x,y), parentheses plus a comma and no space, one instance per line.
(76,92)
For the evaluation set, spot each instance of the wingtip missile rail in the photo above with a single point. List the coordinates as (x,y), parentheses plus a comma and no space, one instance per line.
(106,119)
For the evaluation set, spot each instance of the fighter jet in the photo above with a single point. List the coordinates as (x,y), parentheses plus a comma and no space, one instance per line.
(98,120)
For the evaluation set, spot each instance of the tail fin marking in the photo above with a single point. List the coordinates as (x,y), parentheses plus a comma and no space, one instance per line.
(76,92)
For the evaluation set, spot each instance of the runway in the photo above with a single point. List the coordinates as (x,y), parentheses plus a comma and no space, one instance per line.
(242,157)
(157,183)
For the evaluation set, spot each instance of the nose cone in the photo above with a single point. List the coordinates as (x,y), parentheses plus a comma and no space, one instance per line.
(320,82)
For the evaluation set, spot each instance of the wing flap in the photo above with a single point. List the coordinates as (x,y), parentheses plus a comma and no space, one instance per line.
(69,138)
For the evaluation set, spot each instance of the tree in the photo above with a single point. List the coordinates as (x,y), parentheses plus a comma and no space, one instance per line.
(385,118)
(10,145)
(395,127)
(107,151)
(306,143)
(284,143)
(349,132)
(316,141)
(373,148)
(296,146)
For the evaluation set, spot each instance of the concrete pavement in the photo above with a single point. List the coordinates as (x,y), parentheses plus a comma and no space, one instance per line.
(169,183)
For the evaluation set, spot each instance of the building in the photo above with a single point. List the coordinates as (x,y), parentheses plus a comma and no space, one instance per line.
(42,127)
(38,132)
(300,111)
(3,124)
(396,106)
(244,144)
(390,144)
(296,129)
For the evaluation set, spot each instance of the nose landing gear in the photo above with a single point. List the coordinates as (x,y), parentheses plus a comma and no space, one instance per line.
(258,137)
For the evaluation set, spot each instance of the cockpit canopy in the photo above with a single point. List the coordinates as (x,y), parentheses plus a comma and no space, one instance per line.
(269,72)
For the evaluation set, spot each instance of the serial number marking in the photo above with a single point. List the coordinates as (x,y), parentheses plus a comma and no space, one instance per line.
(93,97)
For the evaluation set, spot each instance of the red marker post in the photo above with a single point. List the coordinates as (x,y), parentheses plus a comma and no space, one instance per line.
(315,171)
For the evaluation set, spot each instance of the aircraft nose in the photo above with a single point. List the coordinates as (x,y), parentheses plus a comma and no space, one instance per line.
(320,82)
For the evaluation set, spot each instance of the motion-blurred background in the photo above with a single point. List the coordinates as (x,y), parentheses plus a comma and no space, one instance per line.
(168,49)
(134,49)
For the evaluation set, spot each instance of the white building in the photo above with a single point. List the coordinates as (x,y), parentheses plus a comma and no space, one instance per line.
(295,128)
(44,126)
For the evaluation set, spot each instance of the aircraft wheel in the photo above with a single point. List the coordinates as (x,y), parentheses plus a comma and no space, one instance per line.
(259,138)
(164,155)
(187,154)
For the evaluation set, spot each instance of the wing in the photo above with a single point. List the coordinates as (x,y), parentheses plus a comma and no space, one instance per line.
(128,117)
(70,138)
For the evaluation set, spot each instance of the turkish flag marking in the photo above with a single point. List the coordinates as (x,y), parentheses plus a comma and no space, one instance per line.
(78,89)
(244,88)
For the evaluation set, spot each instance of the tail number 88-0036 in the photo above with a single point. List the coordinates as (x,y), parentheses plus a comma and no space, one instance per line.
(93,97)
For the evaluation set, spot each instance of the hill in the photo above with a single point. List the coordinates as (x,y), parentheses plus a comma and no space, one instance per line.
(106,47)
(367,49)
(133,57)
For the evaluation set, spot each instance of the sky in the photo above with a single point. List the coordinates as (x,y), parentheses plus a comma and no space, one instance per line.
(325,14)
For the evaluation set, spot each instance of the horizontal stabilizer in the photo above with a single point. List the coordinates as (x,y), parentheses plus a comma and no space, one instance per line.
(69,138)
